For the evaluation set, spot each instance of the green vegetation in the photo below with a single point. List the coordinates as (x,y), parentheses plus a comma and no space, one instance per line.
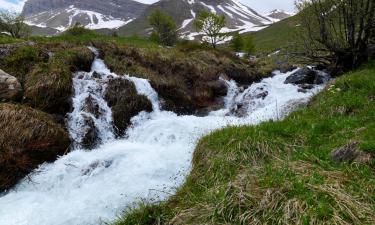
(211,25)
(277,36)
(282,172)
(164,28)
(14,24)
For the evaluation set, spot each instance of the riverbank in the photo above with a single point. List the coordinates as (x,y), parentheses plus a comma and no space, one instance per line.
(314,167)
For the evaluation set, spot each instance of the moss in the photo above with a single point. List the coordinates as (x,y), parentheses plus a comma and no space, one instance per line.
(177,74)
(28,138)
(22,60)
(49,87)
(282,172)
(125,102)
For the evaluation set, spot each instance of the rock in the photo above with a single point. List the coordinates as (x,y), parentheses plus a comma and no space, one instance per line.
(125,103)
(287,68)
(218,87)
(90,139)
(350,153)
(96,75)
(306,86)
(92,106)
(305,76)
(28,138)
(10,88)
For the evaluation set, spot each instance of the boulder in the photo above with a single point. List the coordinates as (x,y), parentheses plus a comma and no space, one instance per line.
(90,139)
(92,106)
(10,88)
(28,138)
(305,76)
(125,103)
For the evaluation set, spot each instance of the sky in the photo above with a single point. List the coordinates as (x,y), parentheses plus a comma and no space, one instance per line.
(262,6)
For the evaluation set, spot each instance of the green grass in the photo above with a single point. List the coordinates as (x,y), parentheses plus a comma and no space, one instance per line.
(276,36)
(5,39)
(282,172)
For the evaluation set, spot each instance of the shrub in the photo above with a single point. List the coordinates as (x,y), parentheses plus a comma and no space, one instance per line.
(211,25)
(237,43)
(165,29)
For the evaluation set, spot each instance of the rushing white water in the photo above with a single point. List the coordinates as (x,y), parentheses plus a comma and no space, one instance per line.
(90,187)
(89,91)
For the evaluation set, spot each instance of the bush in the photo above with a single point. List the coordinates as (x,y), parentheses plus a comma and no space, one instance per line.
(248,45)
(78,30)
(165,29)
(237,43)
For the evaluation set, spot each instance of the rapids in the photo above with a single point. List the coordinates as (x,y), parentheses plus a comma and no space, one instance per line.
(93,187)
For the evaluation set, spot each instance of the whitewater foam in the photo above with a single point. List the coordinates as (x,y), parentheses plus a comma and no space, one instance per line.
(90,187)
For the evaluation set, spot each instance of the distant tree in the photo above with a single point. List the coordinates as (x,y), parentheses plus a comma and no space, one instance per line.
(237,42)
(14,24)
(211,26)
(164,28)
(336,32)
(248,44)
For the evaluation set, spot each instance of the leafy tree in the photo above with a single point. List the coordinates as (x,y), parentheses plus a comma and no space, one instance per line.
(14,24)
(237,43)
(336,33)
(165,29)
(211,25)
(248,44)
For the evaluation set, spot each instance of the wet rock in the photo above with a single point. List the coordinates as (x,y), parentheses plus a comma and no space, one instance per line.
(350,153)
(218,87)
(301,90)
(125,103)
(305,76)
(92,106)
(96,75)
(28,138)
(90,139)
(306,86)
(10,88)
(287,68)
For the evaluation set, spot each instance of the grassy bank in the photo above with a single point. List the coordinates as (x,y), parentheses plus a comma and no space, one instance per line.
(283,172)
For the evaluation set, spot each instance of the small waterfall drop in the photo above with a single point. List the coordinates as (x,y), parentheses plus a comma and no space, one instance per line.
(93,187)
(90,123)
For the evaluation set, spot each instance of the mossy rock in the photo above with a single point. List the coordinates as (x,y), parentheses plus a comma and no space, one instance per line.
(21,61)
(125,102)
(186,80)
(28,138)
(49,87)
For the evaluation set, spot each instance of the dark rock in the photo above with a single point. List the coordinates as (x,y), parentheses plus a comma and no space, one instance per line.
(96,75)
(125,103)
(28,138)
(305,76)
(10,88)
(302,90)
(90,139)
(306,86)
(218,87)
(350,153)
(92,106)
(287,68)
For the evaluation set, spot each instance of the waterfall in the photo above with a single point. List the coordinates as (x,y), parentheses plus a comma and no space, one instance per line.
(93,187)
(91,119)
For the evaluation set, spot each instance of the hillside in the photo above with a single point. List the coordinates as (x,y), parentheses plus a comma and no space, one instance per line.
(314,167)
(60,15)
(277,35)
(239,17)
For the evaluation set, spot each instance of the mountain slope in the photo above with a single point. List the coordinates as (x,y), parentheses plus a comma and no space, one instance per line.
(93,14)
(239,17)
